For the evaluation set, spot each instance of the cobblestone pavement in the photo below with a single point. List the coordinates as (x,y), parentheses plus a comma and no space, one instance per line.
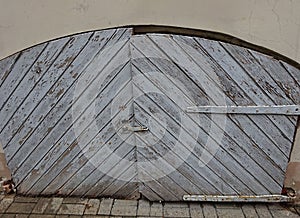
(17,206)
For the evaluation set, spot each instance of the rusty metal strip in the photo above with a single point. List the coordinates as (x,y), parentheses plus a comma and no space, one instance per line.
(275,109)
(239,198)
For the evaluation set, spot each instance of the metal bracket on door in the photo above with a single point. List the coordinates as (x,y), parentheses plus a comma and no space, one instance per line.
(239,198)
(275,109)
(135,128)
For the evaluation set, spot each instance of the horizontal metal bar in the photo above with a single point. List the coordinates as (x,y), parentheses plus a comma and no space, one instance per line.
(239,198)
(275,109)
(135,128)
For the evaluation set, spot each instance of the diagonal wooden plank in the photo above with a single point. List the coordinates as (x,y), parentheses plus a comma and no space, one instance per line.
(198,180)
(235,95)
(16,146)
(25,110)
(293,71)
(258,74)
(233,69)
(230,142)
(90,124)
(32,78)
(65,102)
(19,70)
(6,65)
(263,161)
(190,52)
(159,169)
(116,161)
(124,184)
(282,77)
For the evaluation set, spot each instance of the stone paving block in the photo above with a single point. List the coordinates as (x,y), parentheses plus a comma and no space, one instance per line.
(156,209)
(62,216)
(17,207)
(41,216)
(249,211)
(124,208)
(71,209)
(196,210)
(227,205)
(283,213)
(41,205)
(143,208)
(75,200)
(23,199)
(92,206)
(209,210)
(8,216)
(263,211)
(176,210)
(105,206)
(230,212)
(5,203)
(53,205)
(22,216)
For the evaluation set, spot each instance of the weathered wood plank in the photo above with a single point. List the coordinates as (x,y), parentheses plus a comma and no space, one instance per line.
(281,76)
(195,162)
(6,65)
(234,70)
(185,141)
(293,71)
(32,78)
(234,94)
(158,170)
(15,148)
(229,134)
(19,70)
(80,168)
(65,102)
(89,123)
(258,74)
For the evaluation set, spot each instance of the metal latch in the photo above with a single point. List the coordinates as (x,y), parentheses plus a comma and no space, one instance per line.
(135,128)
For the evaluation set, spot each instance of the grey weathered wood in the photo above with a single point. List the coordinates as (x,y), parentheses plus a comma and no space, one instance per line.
(186,140)
(164,44)
(67,99)
(234,92)
(20,69)
(32,78)
(260,123)
(81,165)
(23,132)
(68,120)
(280,75)
(244,81)
(122,78)
(7,65)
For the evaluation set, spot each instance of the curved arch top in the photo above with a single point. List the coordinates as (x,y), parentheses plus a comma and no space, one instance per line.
(271,24)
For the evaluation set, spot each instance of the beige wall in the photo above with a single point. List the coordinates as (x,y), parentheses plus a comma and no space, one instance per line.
(274,24)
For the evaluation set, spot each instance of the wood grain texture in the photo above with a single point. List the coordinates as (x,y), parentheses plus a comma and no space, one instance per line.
(69,108)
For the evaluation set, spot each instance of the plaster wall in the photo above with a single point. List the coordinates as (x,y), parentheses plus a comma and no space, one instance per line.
(273,24)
